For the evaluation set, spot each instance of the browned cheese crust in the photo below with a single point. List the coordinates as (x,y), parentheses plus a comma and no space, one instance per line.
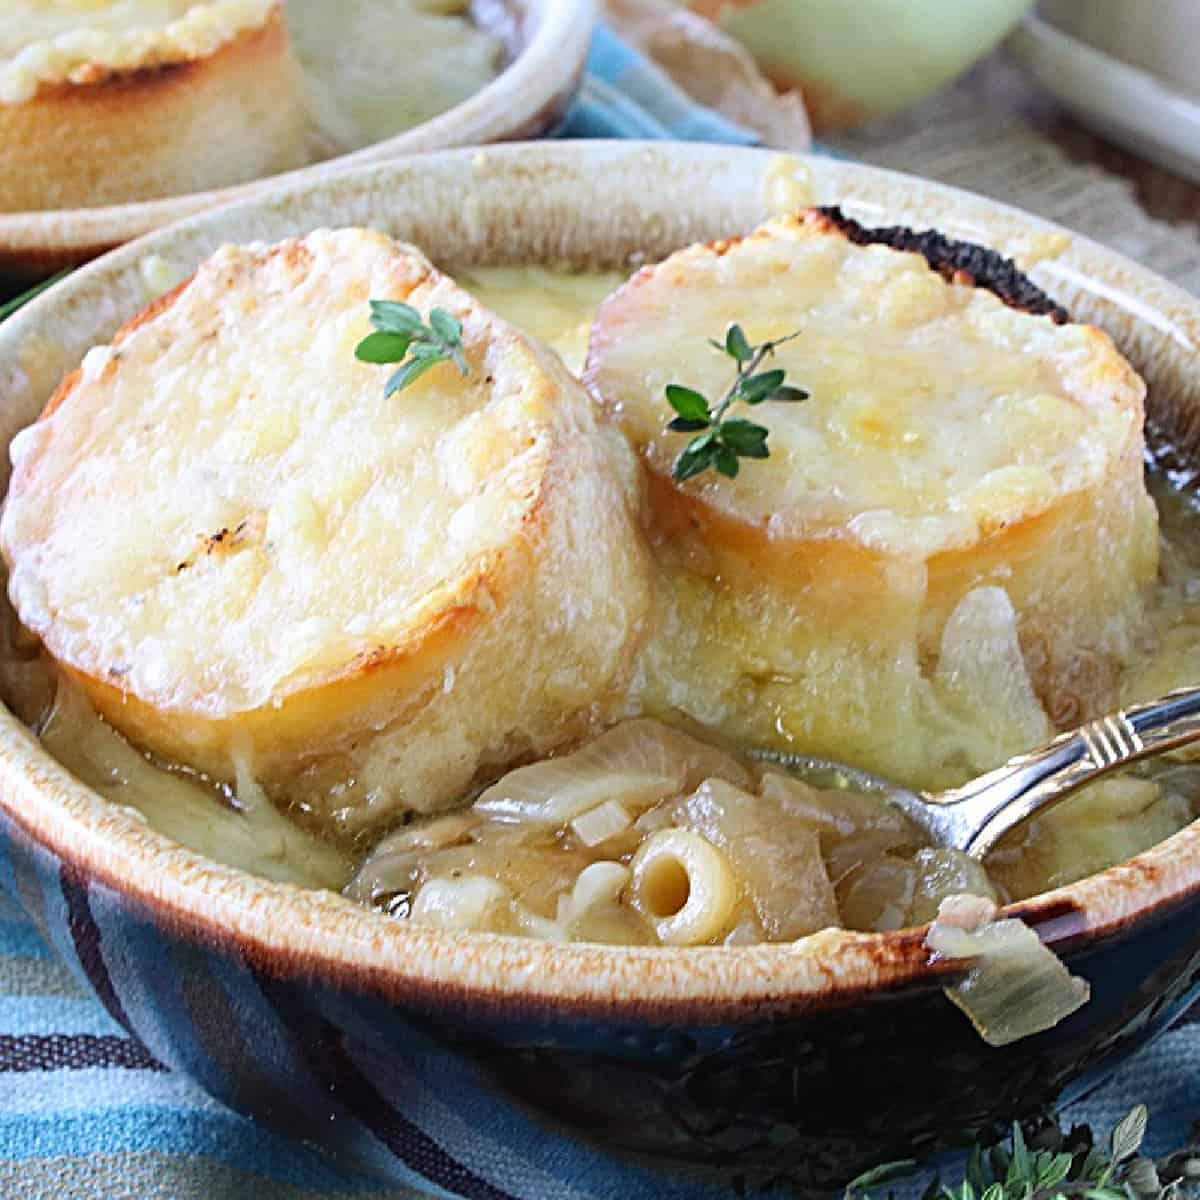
(363,600)
(963,444)
(117,136)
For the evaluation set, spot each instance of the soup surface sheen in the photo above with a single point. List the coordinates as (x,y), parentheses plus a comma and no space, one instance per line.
(648,835)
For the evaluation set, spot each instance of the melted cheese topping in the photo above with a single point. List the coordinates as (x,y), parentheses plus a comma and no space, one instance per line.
(58,41)
(258,510)
(937,413)
(731,655)
(980,683)
(557,306)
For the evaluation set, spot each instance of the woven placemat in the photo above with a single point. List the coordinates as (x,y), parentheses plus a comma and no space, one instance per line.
(954,139)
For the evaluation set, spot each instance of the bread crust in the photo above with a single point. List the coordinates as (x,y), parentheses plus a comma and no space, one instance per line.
(125,135)
(511,650)
(955,261)
(824,611)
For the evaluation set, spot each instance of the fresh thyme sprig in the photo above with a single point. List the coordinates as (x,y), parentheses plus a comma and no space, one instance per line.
(1051,1165)
(720,443)
(401,336)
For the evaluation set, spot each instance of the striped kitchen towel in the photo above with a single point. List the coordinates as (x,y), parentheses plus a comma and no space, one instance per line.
(87,1114)
(625,95)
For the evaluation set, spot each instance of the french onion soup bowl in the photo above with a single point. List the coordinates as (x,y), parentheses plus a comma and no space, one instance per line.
(350,973)
(491,71)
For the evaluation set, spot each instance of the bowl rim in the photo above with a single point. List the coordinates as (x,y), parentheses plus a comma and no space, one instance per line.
(1135,107)
(523,100)
(286,930)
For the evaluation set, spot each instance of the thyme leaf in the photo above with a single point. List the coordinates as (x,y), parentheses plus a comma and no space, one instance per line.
(721,443)
(402,336)
(1049,1164)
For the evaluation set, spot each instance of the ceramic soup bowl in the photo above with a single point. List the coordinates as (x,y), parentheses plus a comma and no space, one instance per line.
(498,1067)
(546,42)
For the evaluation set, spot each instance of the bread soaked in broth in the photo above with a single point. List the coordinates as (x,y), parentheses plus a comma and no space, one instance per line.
(791,859)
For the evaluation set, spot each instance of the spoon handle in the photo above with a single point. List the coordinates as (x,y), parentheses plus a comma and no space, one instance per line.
(977,815)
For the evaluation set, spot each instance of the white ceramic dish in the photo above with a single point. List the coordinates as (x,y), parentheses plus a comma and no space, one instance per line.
(1122,102)
(548,40)
(1161,37)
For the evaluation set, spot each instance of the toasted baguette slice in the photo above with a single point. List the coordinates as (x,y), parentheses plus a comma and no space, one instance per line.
(142,100)
(960,433)
(250,558)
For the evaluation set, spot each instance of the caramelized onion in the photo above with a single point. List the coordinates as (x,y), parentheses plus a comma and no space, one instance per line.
(879,895)
(779,863)
(598,825)
(1015,986)
(637,763)
(942,872)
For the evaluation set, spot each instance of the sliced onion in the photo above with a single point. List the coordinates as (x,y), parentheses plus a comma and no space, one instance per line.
(805,803)
(942,873)
(879,895)
(434,834)
(394,865)
(661,816)
(839,812)
(985,699)
(702,760)
(599,824)
(472,902)
(860,850)
(746,929)
(612,925)
(1015,986)
(779,865)
(384,876)
(637,763)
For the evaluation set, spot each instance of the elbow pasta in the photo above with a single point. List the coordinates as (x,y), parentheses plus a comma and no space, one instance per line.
(684,886)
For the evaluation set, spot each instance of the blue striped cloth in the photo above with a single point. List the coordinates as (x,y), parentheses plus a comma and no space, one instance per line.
(87,1112)
(625,95)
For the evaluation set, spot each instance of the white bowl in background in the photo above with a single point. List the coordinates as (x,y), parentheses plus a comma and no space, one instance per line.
(548,42)
(1161,37)
(854,62)
(1151,114)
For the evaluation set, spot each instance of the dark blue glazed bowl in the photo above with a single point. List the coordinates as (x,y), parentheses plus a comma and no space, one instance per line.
(486,1066)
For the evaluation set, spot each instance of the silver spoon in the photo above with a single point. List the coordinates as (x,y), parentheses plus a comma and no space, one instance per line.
(974,817)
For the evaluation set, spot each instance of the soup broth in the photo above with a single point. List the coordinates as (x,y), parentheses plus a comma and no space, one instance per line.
(653,833)
(650,836)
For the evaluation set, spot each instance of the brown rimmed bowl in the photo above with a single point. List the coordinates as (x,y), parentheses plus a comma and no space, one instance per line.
(497,1067)
(546,43)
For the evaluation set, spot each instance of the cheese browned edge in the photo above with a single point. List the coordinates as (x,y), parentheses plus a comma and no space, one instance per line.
(821,644)
(527,649)
(114,136)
